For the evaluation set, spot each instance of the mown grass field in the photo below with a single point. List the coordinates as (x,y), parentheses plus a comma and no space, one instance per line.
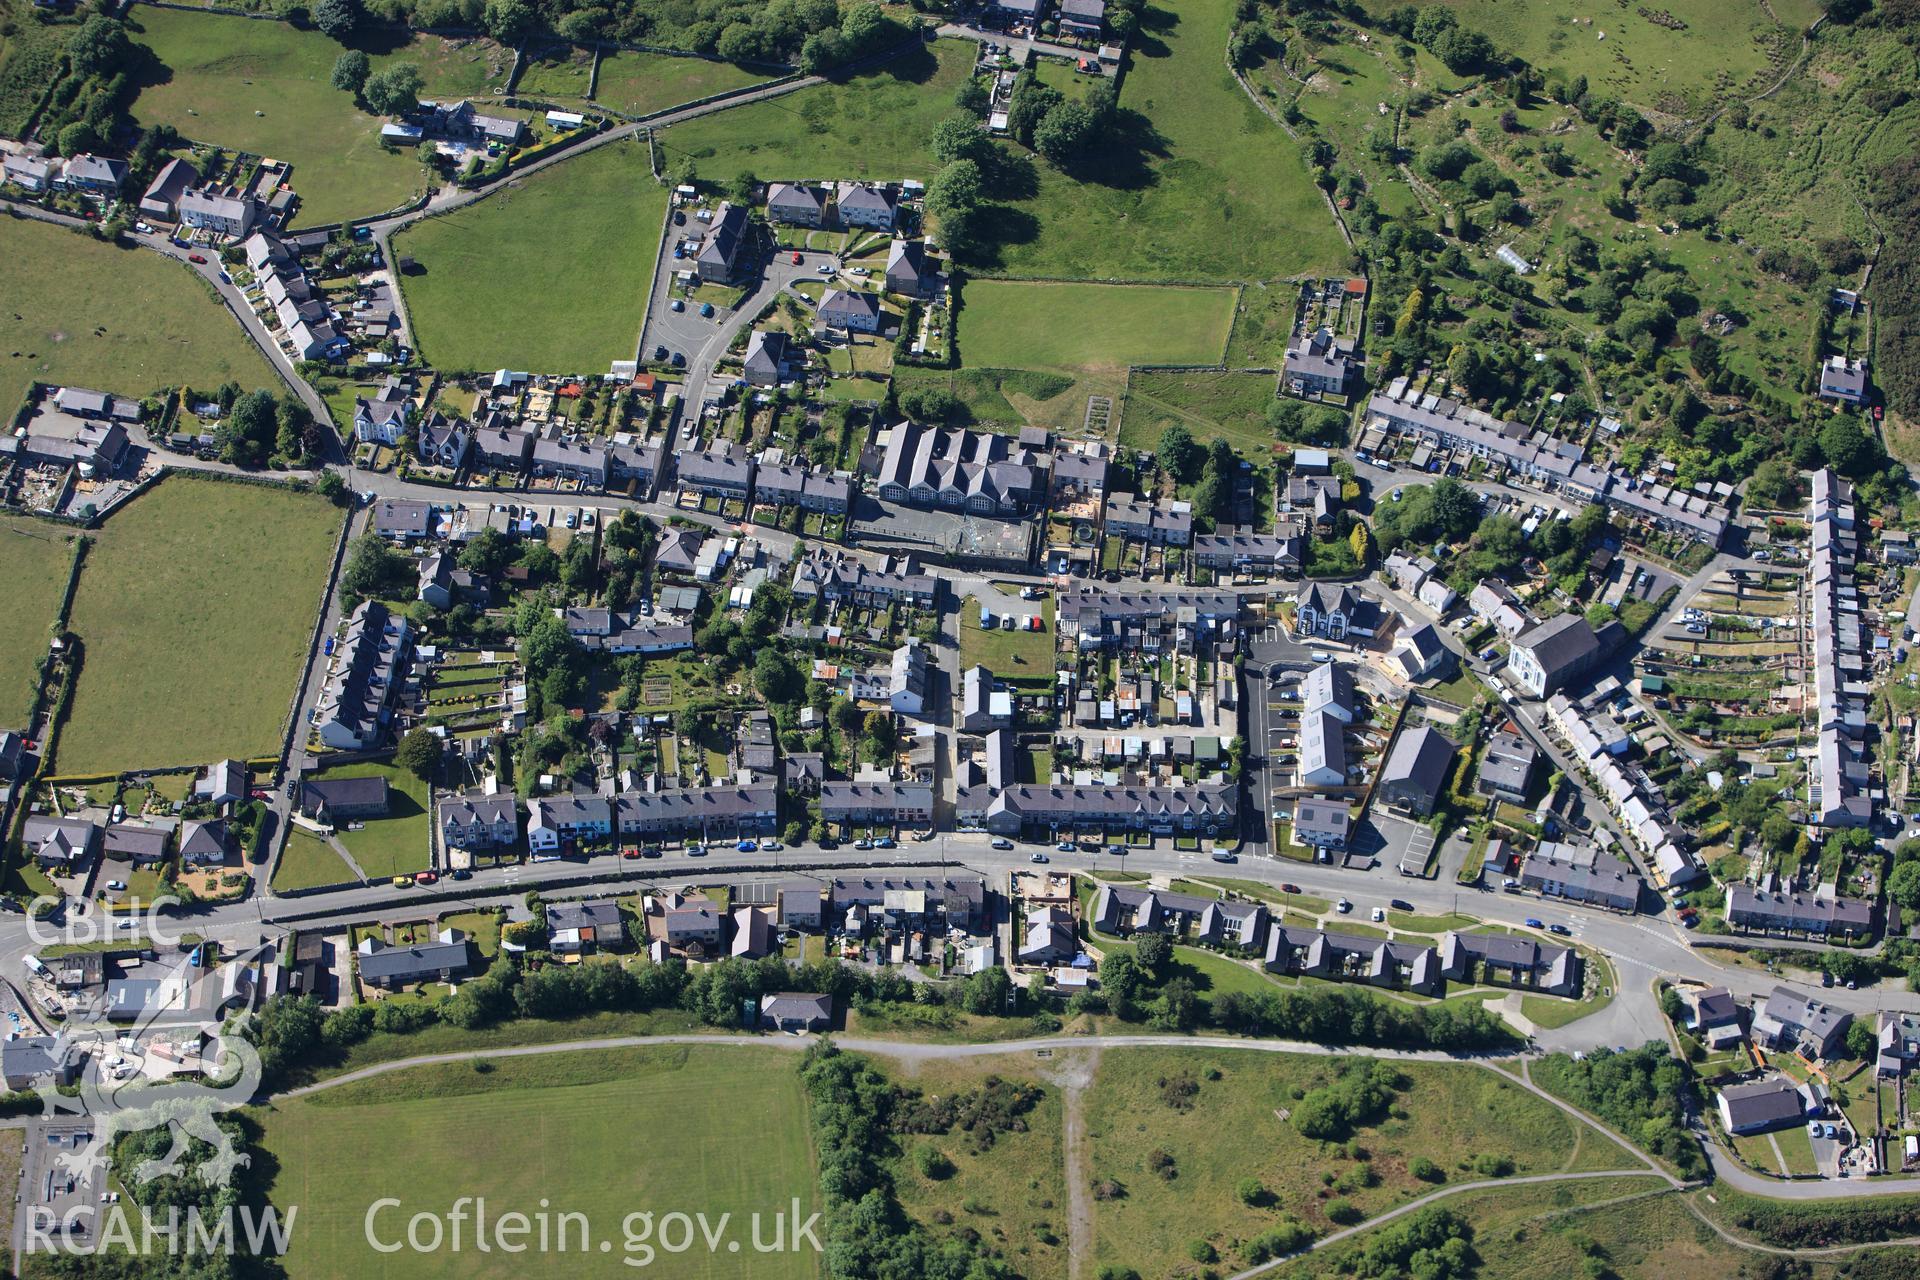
(263,87)
(603,1134)
(874,125)
(1011,655)
(1233,1129)
(551,275)
(1199,185)
(396,844)
(195,606)
(308,862)
(1228,406)
(88,314)
(34,559)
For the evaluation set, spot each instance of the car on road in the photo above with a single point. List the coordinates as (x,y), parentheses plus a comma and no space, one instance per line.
(197,259)
(461,873)
(1534,924)
(1065,846)
(826,843)
(1003,844)
(650,851)
(1343,906)
(329,647)
(796,259)
(1560,929)
(772,846)
(403,882)
(825,268)
(1038,857)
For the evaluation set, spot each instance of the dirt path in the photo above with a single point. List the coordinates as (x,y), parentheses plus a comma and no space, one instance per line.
(1075,1075)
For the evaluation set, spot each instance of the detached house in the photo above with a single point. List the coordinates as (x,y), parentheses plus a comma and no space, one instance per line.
(60,846)
(29,173)
(163,193)
(93,174)
(796,1011)
(575,928)
(1318,364)
(205,844)
(383,419)
(444,444)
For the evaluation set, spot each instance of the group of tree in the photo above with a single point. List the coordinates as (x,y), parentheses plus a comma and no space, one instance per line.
(1061,129)
(865,30)
(394,90)
(258,426)
(1464,50)
(86,108)
(1644,1093)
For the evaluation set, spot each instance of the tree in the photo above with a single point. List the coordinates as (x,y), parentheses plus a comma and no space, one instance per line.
(394,90)
(1774,484)
(374,569)
(1361,543)
(1849,450)
(1065,133)
(99,48)
(777,679)
(953,198)
(1903,885)
(247,434)
(508,21)
(337,18)
(350,71)
(1861,1040)
(418,753)
(986,992)
(1177,451)
(959,138)
(1153,950)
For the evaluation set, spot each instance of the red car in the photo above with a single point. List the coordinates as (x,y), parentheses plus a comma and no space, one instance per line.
(1289,888)
(630,852)
(427,877)
(199,259)
(796,259)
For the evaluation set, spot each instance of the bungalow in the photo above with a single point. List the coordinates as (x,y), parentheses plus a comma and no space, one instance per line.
(461,122)
(575,928)
(205,844)
(61,846)
(723,258)
(794,1011)
(332,801)
(770,358)
(1762,1105)
(137,843)
(393,967)
(856,312)
(908,271)
(796,204)
(479,820)
(163,193)
(383,419)
(224,783)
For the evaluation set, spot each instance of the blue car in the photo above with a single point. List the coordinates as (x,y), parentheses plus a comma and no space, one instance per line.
(706,309)
(884,842)
(1534,924)
(747,846)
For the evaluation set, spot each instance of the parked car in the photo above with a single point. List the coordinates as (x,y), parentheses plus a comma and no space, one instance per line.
(863,844)
(461,873)
(884,842)
(630,853)
(198,259)
(747,846)
(1377,915)
(706,310)
(1065,846)
(1038,857)
(1289,888)
(1400,904)
(427,877)
(1003,844)
(1343,906)
(796,259)
(772,846)
(1560,929)
(116,886)
(403,882)
(696,850)
(679,304)
(650,851)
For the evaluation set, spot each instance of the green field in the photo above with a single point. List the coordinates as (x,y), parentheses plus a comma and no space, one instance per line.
(396,844)
(875,125)
(1233,1129)
(194,607)
(452,66)
(640,84)
(1011,655)
(551,275)
(1199,185)
(1722,47)
(308,862)
(262,87)
(34,560)
(29,58)
(604,1134)
(1228,406)
(88,314)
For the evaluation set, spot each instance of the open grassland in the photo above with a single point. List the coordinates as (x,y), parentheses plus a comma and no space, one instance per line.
(1013,1191)
(1723,46)
(1101,327)
(83,313)
(308,862)
(35,556)
(875,125)
(452,66)
(195,605)
(1633,1227)
(1007,399)
(29,59)
(1221,1128)
(601,1134)
(1228,406)
(1197,184)
(551,275)
(263,87)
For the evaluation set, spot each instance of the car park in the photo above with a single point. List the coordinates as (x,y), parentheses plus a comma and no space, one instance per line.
(1343,906)
(1377,915)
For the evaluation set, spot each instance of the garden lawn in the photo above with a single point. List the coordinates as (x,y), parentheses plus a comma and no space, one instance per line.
(396,844)
(308,862)
(1234,1130)
(195,607)
(1224,406)
(875,125)
(550,276)
(263,87)
(640,84)
(597,1133)
(35,556)
(1198,184)
(83,313)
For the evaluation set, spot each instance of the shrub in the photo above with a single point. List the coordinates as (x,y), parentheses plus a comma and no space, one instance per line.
(933,1163)
(1426,1170)
(1344,1212)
